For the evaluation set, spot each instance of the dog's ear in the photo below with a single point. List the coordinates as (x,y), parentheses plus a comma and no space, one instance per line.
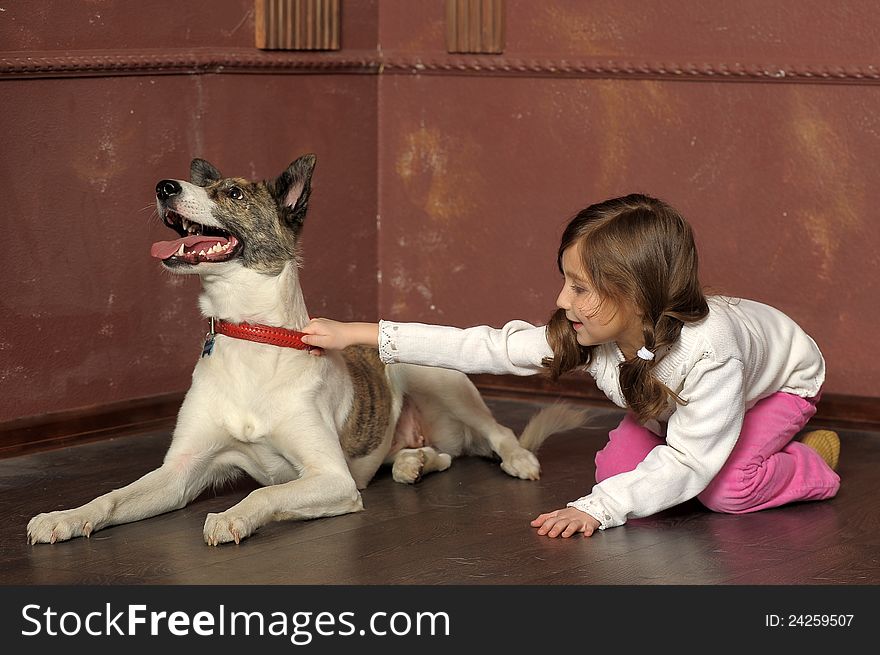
(292,189)
(201,173)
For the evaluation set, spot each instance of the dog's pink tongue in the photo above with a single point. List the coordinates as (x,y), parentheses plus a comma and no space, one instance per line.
(165,249)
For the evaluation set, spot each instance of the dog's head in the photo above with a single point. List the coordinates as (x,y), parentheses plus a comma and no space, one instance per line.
(231,221)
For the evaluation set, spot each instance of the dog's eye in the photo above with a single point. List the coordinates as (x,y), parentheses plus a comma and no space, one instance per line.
(235,193)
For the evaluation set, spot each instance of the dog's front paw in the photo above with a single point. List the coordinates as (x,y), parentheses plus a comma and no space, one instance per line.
(523,464)
(223,528)
(58,526)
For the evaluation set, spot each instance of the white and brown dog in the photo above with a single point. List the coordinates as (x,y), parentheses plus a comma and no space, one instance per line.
(312,430)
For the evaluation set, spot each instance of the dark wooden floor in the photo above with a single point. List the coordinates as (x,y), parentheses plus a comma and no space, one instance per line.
(468,525)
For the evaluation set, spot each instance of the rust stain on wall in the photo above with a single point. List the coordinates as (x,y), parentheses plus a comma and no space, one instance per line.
(622,112)
(435,175)
(831,200)
(440,179)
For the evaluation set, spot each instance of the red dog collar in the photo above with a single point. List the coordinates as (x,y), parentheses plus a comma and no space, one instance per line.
(274,336)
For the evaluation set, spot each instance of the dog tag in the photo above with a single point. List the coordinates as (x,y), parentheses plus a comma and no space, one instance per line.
(208,346)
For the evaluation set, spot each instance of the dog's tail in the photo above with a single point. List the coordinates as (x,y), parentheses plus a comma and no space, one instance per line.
(558,417)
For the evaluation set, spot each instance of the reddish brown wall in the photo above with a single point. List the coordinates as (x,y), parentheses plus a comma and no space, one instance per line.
(757,119)
(88,317)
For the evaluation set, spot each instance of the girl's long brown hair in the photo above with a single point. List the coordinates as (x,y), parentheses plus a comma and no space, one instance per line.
(640,249)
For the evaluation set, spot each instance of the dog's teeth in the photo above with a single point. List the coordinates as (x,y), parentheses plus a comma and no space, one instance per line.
(179,252)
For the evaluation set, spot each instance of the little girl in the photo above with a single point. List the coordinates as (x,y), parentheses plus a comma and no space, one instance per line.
(716,388)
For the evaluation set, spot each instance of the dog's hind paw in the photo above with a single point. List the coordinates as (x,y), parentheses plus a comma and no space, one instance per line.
(443,461)
(222,528)
(411,464)
(522,464)
(57,526)
(408,466)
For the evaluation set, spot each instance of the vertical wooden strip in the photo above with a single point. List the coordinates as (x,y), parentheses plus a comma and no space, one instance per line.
(286,28)
(281,20)
(462,37)
(271,34)
(475,26)
(328,21)
(473,32)
(486,17)
(321,24)
(332,25)
(500,27)
(310,23)
(273,24)
(260,23)
(493,26)
(323,36)
(280,13)
(297,24)
(451,45)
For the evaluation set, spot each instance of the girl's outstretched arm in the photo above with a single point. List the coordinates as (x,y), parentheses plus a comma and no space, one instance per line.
(518,347)
(565,522)
(324,334)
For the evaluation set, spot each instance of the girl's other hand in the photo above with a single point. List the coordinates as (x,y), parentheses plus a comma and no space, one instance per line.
(565,522)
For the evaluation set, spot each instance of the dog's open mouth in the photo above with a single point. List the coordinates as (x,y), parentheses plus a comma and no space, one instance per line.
(198,243)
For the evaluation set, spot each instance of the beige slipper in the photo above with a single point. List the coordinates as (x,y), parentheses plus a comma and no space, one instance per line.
(826,443)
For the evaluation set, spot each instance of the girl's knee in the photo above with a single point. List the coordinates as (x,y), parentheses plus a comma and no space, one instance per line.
(725,498)
(719,503)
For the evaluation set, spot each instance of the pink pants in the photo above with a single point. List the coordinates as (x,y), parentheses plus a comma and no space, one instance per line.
(766,468)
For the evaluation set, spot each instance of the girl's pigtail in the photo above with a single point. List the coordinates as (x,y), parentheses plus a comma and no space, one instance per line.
(643,392)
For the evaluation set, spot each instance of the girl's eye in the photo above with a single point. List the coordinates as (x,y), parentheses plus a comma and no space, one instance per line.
(235,193)
(578,290)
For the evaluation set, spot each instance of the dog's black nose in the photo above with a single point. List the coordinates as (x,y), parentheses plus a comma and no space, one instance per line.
(167,188)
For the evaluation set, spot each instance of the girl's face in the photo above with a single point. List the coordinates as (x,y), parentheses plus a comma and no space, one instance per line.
(596,322)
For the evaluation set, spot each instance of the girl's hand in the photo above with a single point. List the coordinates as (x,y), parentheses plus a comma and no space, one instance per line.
(565,522)
(323,334)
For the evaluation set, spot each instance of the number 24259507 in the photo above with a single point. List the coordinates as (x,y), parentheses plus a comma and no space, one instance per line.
(808,620)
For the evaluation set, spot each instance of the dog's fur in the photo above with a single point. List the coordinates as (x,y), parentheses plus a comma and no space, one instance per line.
(312,430)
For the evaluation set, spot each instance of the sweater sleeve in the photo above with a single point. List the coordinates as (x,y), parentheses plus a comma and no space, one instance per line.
(518,347)
(699,438)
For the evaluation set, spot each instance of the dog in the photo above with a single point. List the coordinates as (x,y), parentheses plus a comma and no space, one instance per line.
(312,431)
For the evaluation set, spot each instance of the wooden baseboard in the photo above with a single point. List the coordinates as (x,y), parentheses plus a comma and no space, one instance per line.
(835,411)
(68,428)
(56,430)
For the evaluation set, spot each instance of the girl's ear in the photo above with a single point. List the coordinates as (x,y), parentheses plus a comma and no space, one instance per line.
(201,173)
(292,189)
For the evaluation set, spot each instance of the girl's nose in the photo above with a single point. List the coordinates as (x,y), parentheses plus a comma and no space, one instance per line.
(562,300)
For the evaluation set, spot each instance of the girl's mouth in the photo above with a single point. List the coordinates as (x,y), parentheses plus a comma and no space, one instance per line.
(577,326)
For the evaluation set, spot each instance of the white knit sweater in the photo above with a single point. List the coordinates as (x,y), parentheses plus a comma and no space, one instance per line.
(741,352)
